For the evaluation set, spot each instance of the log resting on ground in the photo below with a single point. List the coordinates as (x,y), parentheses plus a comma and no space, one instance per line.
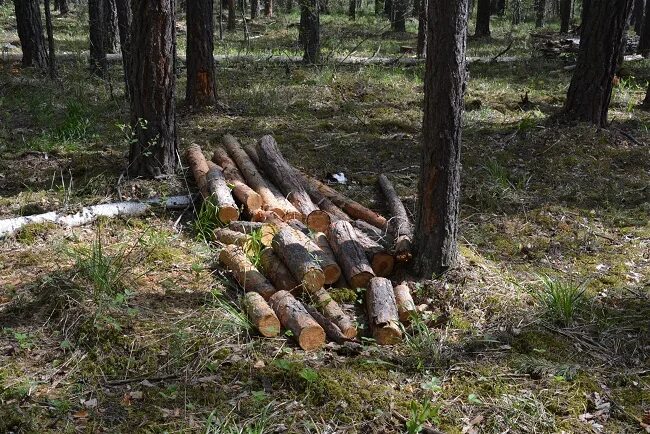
(220,194)
(245,272)
(382,312)
(296,251)
(248,197)
(404,301)
(350,254)
(399,225)
(278,273)
(293,316)
(261,315)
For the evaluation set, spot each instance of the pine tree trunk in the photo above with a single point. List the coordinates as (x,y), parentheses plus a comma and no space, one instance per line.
(439,186)
(637,17)
(50,40)
(598,60)
(379,7)
(565,15)
(516,12)
(111,29)
(310,29)
(398,23)
(63,7)
(501,7)
(153,108)
(352,9)
(255,9)
(540,7)
(30,32)
(201,86)
(98,64)
(644,41)
(422,30)
(482,19)
(388,9)
(123,8)
(232,16)
(268,8)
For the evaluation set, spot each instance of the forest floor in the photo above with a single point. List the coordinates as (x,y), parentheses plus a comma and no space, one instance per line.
(163,346)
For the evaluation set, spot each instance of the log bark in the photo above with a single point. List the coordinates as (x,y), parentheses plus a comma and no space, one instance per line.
(352,208)
(230,237)
(377,235)
(382,312)
(296,251)
(404,301)
(294,316)
(399,225)
(350,254)
(381,261)
(248,197)
(261,315)
(245,227)
(321,250)
(245,272)
(199,167)
(91,213)
(285,177)
(325,304)
(332,331)
(278,273)
(220,194)
(254,178)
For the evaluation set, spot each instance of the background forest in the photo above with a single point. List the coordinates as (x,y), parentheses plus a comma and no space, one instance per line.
(130,325)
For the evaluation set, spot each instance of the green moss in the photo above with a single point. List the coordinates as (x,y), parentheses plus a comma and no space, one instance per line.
(33,232)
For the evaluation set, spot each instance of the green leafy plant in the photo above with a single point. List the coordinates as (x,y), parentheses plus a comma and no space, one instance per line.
(562,300)
(421,414)
(207,221)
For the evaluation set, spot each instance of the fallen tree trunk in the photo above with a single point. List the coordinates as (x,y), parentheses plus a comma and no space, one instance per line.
(404,301)
(321,250)
(266,231)
(245,272)
(254,178)
(220,194)
(227,236)
(294,316)
(296,251)
(332,311)
(199,167)
(399,225)
(352,208)
(350,254)
(285,177)
(382,312)
(261,315)
(381,261)
(242,192)
(91,213)
(278,273)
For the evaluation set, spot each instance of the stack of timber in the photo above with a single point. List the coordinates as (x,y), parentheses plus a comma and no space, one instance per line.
(289,240)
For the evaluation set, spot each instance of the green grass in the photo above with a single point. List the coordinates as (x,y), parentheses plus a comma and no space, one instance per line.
(561,300)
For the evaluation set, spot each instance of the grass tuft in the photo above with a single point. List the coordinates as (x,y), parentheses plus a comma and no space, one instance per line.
(562,300)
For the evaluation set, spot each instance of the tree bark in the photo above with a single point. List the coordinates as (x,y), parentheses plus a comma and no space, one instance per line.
(199,167)
(260,313)
(381,262)
(565,15)
(294,316)
(255,9)
(111,27)
(646,101)
(332,311)
(285,177)
(221,195)
(601,45)
(50,40)
(232,16)
(382,309)
(278,273)
(245,272)
(242,192)
(268,8)
(482,19)
(153,80)
(201,87)
(400,10)
(516,12)
(422,30)
(310,28)
(637,17)
(350,254)
(321,251)
(123,8)
(63,7)
(399,226)
(97,29)
(439,185)
(297,252)
(644,41)
(30,33)
(404,301)
(540,11)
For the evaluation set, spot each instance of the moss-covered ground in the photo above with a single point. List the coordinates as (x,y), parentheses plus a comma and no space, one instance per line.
(160,345)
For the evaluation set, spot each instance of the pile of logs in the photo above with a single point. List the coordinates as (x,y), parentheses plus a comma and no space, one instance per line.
(288,238)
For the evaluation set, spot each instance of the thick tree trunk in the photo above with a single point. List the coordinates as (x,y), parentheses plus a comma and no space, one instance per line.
(540,11)
(422,29)
(382,309)
(644,41)
(482,19)
(50,40)
(232,16)
(350,254)
(439,185)
(243,193)
(310,28)
(268,8)
(400,10)
(637,17)
(260,313)
(201,85)
(255,9)
(352,9)
(123,8)
(30,33)
(111,27)
(565,15)
(97,29)
(153,108)
(245,272)
(598,60)
(63,7)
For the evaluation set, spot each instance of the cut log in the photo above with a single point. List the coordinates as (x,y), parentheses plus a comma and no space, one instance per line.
(228,236)
(350,254)
(295,249)
(199,167)
(272,223)
(278,273)
(382,312)
(404,301)
(251,151)
(332,331)
(266,231)
(254,178)
(399,225)
(245,272)
(91,213)
(220,194)
(248,197)
(325,304)
(323,253)
(294,316)
(261,315)
(381,261)
(284,176)
(378,235)
(352,208)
